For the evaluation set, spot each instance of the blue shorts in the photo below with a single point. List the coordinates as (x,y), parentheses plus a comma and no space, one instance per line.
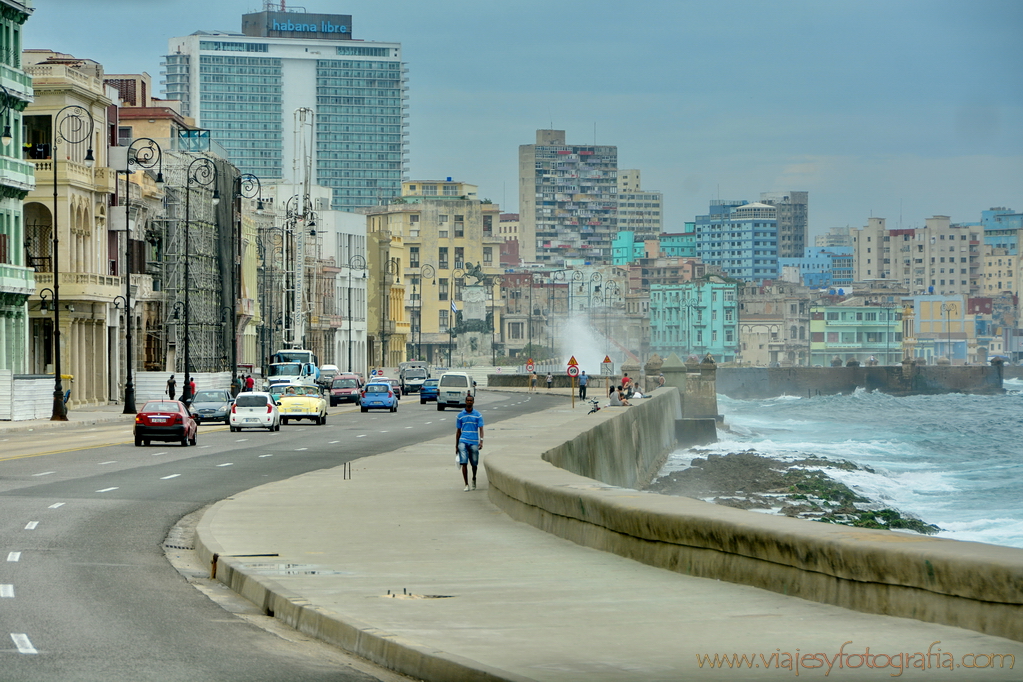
(469,452)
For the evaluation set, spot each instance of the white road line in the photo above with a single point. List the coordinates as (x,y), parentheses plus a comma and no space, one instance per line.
(429,422)
(300,449)
(22,642)
(7,591)
(333,441)
(165,478)
(14,556)
(410,427)
(241,440)
(385,432)
(226,464)
(262,456)
(106,490)
(31,525)
(362,436)
(45,473)
(113,461)
(205,446)
(55,505)
(157,454)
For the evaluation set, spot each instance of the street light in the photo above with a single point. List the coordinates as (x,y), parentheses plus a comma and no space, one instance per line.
(390,270)
(203,173)
(72,124)
(246,186)
(5,108)
(356,262)
(457,274)
(947,309)
(143,153)
(429,272)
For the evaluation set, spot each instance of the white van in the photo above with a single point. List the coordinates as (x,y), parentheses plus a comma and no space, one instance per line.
(452,389)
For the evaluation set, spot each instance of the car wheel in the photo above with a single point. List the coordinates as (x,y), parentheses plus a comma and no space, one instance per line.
(362,409)
(184,442)
(145,442)
(284,421)
(422,402)
(440,408)
(194,438)
(278,425)
(138,442)
(323,419)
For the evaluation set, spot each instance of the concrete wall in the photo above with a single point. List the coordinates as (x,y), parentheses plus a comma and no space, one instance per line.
(964,584)
(750,383)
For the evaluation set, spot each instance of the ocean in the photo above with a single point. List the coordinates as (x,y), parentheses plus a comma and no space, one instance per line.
(953,460)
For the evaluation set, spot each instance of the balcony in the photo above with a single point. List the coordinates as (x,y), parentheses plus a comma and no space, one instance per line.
(83,286)
(16,280)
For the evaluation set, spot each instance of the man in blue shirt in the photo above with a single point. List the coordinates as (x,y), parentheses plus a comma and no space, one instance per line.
(583,380)
(469,440)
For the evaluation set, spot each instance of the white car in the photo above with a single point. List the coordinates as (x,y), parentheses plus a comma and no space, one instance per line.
(255,411)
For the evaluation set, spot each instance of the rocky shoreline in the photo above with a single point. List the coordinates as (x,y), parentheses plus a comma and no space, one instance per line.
(797,488)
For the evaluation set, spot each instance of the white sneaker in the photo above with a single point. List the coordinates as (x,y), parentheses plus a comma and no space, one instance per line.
(466,489)
(474,484)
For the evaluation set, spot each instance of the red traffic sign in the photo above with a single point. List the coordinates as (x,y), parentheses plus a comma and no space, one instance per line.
(573,370)
(530,366)
(607,359)
(572,362)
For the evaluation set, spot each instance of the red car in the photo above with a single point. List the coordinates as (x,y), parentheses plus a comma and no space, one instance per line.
(345,388)
(166,420)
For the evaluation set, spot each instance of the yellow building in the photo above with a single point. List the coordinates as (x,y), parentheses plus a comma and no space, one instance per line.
(444,229)
(88,280)
(386,325)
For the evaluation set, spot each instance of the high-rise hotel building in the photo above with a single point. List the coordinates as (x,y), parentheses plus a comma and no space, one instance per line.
(294,91)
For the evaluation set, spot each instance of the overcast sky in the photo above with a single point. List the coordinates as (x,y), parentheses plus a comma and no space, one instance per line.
(898,109)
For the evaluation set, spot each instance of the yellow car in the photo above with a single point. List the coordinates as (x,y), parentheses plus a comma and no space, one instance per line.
(303,402)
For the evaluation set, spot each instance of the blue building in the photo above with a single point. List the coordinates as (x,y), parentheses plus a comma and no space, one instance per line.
(741,238)
(625,249)
(821,268)
(695,318)
(679,244)
(1002,227)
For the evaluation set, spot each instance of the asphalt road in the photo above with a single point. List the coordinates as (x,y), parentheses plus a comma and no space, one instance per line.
(96,580)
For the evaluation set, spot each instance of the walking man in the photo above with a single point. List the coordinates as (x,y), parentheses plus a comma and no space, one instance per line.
(532,381)
(172,387)
(249,383)
(583,380)
(469,440)
(550,380)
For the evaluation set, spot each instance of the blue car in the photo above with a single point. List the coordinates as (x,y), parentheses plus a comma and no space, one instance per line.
(378,394)
(428,391)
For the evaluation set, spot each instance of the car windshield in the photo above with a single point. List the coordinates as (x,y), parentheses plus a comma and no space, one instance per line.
(345,383)
(377,388)
(162,406)
(285,370)
(431,382)
(251,401)
(454,381)
(310,390)
(415,374)
(211,397)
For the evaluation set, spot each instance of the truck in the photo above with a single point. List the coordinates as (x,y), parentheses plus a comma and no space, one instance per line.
(412,374)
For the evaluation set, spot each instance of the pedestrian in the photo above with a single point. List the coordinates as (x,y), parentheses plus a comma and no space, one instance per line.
(468,440)
(660,380)
(625,380)
(191,385)
(250,383)
(550,380)
(583,380)
(172,387)
(532,381)
(623,399)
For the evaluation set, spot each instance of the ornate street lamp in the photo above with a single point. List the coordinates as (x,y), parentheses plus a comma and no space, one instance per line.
(143,153)
(246,186)
(429,272)
(203,173)
(947,309)
(73,124)
(390,270)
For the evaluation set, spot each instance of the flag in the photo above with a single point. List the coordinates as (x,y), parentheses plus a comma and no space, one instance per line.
(453,308)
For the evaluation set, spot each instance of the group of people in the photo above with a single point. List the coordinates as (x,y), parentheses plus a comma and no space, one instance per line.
(172,386)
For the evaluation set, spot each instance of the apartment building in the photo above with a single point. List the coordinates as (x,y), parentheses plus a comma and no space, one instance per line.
(741,238)
(696,318)
(568,206)
(17,275)
(296,85)
(793,216)
(640,212)
(853,329)
(774,324)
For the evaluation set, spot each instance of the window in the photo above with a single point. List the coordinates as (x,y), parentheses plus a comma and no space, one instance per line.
(459,226)
(459,256)
(442,258)
(413,256)
(832,337)
(832,316)
(488,224)
(442,289)
(442,319)
(488,255)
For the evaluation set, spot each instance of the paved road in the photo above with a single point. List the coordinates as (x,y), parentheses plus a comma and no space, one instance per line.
(86,591)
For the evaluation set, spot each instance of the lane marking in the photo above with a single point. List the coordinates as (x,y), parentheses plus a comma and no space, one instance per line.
(166,478)
(407,427)
(362,436)
(157,454)
(45,473)
(7,591)
(300,449)
(205,446)
(14,556)
(113,461)
(31,525)
(262,456)
(333,441)
(22,642)
(241,440)
(55,505)
(227,464)
(106,490)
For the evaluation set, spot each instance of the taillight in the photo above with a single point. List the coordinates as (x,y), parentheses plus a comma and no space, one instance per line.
(178,419)
(269,408)
(138,419)
(234,409)
(390,394)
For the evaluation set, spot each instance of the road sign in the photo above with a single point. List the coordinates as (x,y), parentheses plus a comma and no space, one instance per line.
(572,362)
(607,369)
(530,366)
(607,360)
(573,370)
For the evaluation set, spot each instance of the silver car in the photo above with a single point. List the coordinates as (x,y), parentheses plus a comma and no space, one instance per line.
(212,406)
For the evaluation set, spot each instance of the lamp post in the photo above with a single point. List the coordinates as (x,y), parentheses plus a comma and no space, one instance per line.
(457,274)
(203,173)
(887,305)
(73,124)
(609,292)
(427,271)
(947,309)
(246,186)
(390,270)
(686,303)
(143,153)
(267,255)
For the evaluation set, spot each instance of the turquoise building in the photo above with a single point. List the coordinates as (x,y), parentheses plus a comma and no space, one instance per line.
(17,280)
(695,318)
(625,249)
(856,332)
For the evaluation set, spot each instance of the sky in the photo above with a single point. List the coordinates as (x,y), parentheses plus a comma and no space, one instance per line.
(900,109)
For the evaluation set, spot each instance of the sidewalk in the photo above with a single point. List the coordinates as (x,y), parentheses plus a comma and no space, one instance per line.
(85,416)
(397,564)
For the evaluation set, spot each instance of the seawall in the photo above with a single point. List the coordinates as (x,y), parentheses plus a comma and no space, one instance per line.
(576,484)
